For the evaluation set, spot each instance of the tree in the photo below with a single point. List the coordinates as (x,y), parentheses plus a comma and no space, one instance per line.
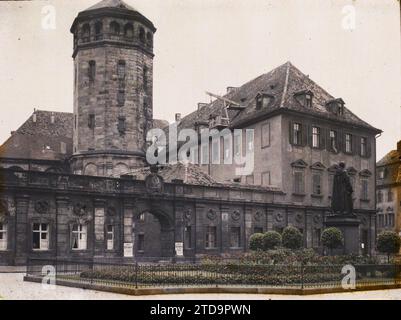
(292,238)
(332,238)
(256,241)
(388,242)
(271,240)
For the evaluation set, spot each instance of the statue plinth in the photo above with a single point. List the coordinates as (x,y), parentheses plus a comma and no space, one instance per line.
(349,226)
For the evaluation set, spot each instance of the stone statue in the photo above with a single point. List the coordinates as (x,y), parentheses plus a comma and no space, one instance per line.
(341,199)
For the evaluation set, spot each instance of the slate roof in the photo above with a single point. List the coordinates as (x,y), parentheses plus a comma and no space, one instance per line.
(41,140)
(111,4)
(282,83)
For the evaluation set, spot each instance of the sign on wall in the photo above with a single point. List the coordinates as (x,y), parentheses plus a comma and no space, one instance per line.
(128,249)
(179,249)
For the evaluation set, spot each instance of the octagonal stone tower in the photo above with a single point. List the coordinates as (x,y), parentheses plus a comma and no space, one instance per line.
(113,68)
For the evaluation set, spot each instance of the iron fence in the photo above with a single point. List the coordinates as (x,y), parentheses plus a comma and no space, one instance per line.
(232,274)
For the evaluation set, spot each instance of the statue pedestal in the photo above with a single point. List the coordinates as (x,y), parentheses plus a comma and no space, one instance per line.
(349,226)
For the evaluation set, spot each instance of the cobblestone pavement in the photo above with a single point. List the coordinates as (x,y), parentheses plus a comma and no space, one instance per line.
(12,287)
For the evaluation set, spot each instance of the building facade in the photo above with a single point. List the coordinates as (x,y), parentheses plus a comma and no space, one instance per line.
(389,191)
(78,185)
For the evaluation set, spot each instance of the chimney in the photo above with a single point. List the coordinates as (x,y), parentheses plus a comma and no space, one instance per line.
(34,116)
(201,105)
(230,89)
(177,117)
(52,118)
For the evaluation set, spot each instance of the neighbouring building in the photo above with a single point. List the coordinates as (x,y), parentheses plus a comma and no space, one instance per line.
(389,191)
(78,185)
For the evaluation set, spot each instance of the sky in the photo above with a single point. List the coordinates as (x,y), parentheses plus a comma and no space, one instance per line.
(349,47)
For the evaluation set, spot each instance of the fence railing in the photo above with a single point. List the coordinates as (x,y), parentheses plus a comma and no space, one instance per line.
(212,274)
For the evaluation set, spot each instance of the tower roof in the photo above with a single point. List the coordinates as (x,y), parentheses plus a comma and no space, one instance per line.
(111,4)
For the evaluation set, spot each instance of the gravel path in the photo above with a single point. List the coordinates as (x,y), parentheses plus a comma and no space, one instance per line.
(12,287)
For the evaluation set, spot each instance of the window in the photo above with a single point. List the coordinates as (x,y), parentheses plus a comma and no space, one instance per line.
(308,100)
(121,70)
(227,145)
(92,71)
(91,121)
(379,197)
(258,230)
(316,184)
(205,153)
(266,178)
(110,237)
(141,242)
(391,219)
(382,174)
(149,38)
(216,152)
(364,189)
(249,140)
(298,182)
(265,135)
(114,28)
(250,180)
(348,143)
(235,237)
(315,137)
(142,35)
(211,237)
(237,145)
(145,78)
(363,147)
(86,30)
(121,125)
(129,30)
(259,103)
(78,236)
(297,138)
(390,196)
(316,237)
(188,237)
(40,236)
(333,141)
(3,236)
(142,217)
(98,31)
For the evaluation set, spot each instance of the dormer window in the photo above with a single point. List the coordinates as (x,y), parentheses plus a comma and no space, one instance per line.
(305,98)
(336,106)
(263,100)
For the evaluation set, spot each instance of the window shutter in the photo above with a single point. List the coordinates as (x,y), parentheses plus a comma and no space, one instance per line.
(322,142)
(305,134)
(341,140)
(368,147)
(291,132)
(356,144)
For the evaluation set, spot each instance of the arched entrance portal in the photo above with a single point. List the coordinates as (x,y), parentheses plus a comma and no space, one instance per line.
(153,235)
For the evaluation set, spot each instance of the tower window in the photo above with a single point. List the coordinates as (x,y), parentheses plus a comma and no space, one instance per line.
(92,71)
(145,78)
(86,30)
(128,30)
(149,38)
(121,70)
(121,125)
(114,28)
(91,121)
(142,34)
(98,31)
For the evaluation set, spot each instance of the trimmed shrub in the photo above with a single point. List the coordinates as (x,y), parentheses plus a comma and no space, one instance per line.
(388,242)
(292,238)
(332,238)
(256,241)
(271,240)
